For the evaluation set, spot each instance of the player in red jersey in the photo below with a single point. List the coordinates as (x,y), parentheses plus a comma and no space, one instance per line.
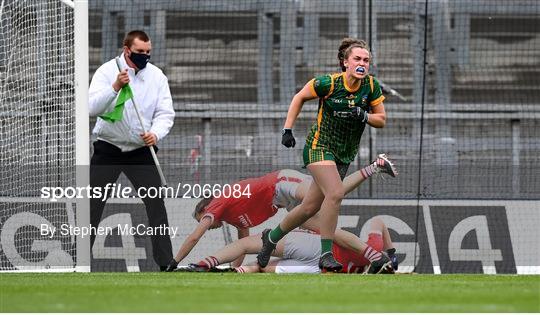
(264,196)
(299,252)
(247,210)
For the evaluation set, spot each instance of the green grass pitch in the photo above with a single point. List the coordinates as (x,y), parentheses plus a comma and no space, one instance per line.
(195,292)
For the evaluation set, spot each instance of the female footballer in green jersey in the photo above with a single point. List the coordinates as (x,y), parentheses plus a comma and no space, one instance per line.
(347,102)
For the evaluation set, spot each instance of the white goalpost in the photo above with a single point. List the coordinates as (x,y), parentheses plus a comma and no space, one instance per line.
(82,137)
(44,128)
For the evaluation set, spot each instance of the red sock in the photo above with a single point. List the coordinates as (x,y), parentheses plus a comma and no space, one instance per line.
(371,254)
(209,262)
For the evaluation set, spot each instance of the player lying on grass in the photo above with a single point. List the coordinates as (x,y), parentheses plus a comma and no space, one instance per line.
(279,189)
(299,252)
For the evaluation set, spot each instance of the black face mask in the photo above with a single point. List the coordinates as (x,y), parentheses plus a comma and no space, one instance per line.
(140,60)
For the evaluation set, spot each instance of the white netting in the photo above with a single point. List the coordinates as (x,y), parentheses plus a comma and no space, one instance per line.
(37,128)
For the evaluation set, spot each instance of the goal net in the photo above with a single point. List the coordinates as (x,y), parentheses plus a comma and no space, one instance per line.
(461,128)
(37,128)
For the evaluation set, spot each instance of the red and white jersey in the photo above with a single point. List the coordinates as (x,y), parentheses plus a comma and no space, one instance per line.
(352,261)
(246,211)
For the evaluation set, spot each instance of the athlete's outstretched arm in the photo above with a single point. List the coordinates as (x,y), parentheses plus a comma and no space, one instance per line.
(242,233)
(304,95)
(193,239)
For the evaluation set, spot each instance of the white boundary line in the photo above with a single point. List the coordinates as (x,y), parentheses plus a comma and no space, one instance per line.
(431,240)
(40,270)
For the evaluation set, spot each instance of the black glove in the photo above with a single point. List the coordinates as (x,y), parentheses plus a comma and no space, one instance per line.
(171,266)
(287,138)
(360,114)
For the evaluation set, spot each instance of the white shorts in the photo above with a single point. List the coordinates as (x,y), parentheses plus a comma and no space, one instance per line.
(285,194)
(301,253)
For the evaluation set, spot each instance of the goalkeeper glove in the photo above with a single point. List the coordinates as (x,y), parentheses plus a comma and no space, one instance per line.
(287,138)
(171,266)
(360,114)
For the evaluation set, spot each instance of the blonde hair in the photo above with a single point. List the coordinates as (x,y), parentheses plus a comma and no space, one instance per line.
(346,46)
(199,208)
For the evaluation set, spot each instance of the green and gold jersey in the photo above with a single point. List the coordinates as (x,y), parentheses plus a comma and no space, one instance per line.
(334,131)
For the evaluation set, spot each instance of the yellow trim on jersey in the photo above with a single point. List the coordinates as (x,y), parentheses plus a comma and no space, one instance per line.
(319,121)
(347,86)
(371,83)
(378,101)
(332,78)
(312,86)
(319,115)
